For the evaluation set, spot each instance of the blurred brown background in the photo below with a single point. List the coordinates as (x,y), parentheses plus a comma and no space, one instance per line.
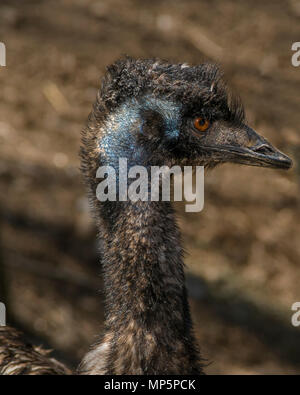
(243,249)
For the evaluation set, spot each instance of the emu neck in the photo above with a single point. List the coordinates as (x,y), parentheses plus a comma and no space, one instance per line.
(148,326)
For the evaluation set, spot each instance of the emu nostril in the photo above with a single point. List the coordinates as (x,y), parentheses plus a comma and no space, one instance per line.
(263,149)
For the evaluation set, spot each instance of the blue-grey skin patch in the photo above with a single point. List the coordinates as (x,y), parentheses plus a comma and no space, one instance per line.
(168,110)
(119,140)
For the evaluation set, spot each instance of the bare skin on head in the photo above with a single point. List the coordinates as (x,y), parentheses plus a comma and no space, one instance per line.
(152,113)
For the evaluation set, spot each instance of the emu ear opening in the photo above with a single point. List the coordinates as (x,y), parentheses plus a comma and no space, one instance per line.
(155,126)
(152,123)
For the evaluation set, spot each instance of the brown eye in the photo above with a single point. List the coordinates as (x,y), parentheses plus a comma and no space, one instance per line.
(201,124)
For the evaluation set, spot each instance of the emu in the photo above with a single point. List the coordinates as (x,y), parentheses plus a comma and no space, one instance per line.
(152,113)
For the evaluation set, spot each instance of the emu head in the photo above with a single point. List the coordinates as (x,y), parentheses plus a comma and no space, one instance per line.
(152,112)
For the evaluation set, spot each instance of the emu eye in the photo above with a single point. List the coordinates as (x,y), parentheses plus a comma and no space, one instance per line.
(201,124)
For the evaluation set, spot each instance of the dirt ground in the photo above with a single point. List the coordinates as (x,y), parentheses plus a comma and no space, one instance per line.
(243,248)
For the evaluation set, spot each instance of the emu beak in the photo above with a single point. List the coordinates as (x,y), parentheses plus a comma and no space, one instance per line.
(259,152)
(247,147)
